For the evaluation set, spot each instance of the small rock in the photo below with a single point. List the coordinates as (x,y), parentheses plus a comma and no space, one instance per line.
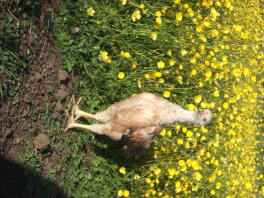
(41,142)
(62,86)
(63,75)
(60,95)
(27,98)
(59,107)
(55,115)
(74,30)
(17,140)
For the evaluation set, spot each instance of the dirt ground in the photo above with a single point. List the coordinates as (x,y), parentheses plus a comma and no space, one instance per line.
(42,83)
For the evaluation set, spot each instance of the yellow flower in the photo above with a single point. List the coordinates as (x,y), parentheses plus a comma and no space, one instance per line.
(120,193)
(158,14)
(189,133)
(161,80)
(191,107)
(125,54)
(157,171)
(226,105)
(207,22)
(122,170)
(161,64)
(158,20)
(202,37)
(123,2)
(193,72)
(163,132)
(193,59)
(208,74)
(198,99)
(90,11)
(199,28)
(121,75)
(158,74)
(171,171)
(153,36)
(136,15)
(179,16)
(178,187)
(147,76)
(228,4)
(197,176)
(218,185)
(141,6)
(180,141)
(169,53)
(136,176)
(166,94)
(238,28)
(216,93)
(103,56)
(184,130)
(211,53)
(172,62)
(139,84)
(179,79)
(200,84)
(148,180)
(195,165)
(183,52)
(214,33)
(134,65)
(126,193)
(181,163)
(212,192)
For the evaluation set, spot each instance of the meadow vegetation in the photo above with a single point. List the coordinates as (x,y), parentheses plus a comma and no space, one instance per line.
(199,54)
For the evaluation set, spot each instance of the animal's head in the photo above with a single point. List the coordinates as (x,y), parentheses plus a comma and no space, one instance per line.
(203,116)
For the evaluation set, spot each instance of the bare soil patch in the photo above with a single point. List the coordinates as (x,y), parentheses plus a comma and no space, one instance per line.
(42,83)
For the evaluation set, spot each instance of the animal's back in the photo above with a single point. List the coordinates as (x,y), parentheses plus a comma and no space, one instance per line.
(137,117)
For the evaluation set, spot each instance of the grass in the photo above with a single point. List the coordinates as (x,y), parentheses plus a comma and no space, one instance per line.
(199,54)
(211,57)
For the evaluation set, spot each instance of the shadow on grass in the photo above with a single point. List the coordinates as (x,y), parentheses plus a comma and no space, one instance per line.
(114,153)
(18,181)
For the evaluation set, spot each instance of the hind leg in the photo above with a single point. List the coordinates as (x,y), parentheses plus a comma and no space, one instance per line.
(100,129)
(103,116)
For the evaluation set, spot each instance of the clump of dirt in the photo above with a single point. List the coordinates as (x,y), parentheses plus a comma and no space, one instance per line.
(41,142)
(42,83)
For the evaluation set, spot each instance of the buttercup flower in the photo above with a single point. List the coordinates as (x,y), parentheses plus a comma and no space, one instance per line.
(136,15)
(90,11)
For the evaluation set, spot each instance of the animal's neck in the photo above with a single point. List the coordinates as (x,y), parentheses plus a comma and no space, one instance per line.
(175,113)
(186,116)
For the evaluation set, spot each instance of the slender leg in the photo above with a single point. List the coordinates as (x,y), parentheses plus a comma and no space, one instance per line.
(77,113)
(103,116)
(101,129)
